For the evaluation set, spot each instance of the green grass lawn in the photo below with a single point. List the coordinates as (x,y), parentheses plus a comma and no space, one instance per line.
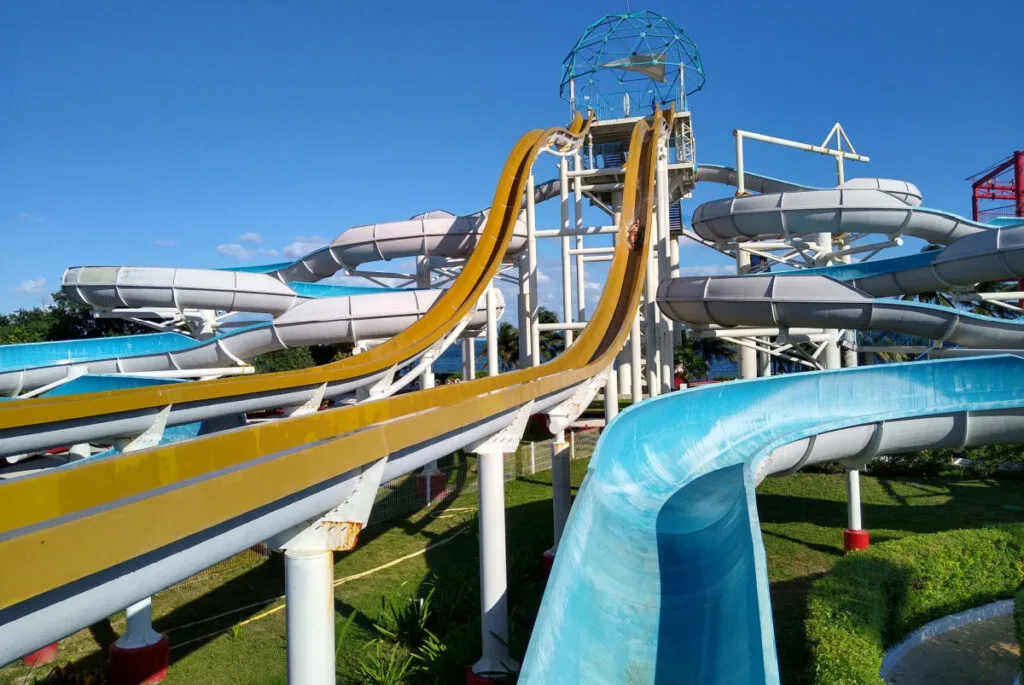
(802,518)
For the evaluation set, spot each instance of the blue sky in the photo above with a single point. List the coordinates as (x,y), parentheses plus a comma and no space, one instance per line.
(159,133)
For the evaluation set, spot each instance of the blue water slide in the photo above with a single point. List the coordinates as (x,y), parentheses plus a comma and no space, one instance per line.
(661,576)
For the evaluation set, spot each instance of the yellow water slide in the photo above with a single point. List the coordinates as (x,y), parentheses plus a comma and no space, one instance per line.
(71,523)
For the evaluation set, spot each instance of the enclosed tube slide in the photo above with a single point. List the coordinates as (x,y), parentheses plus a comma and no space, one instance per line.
(996,254)
(660,575)
(818,301)
(437,234)
(107,287)
(311,322)
(861,205)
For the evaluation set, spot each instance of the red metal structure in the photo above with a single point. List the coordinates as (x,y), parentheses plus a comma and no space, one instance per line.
(1003,181)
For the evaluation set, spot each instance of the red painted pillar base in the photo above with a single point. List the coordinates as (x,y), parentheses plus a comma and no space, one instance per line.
(41,656)
(854,540)
(142,665)
(548,560)
(477,679)
(438,484)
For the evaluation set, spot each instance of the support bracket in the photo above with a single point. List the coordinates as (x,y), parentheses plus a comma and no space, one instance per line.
(380,388)
(310,406)
(509,437)
(567,411)
(337,530)
(149,437)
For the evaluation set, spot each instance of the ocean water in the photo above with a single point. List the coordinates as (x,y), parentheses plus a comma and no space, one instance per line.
(451,362)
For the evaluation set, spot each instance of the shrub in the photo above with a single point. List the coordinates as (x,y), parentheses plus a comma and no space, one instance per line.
(872,599)
(1018,623)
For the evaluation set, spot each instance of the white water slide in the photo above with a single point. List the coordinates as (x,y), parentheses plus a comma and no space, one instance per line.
(843,296)
(304,314)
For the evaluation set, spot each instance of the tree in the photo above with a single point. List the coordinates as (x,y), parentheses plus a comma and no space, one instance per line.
(508,347)
(695,355)
(64,319)
(552,343)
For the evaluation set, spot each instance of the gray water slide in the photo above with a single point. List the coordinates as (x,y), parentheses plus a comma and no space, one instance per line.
(433,234)
(779,301)
(995,254)
(862,205)
(311,322)
(974,253)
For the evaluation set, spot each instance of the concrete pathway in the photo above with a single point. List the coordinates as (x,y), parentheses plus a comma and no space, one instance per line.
(984,652)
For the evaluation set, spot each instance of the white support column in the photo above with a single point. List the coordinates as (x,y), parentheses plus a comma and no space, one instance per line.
(560,488)
(309,616)
(139,631)
(673,272)
(652,319)
(423,281)
(611,396)
(493,573)
(430,473)
(531,257)
(468,359)
(747,357)
(665,325)
(140,655)
(853,498)
(635,382)
(563,197)
(831,353)
(850,337)
(581,282)
(492,332)
(525,329)
(764,360)
(624,368)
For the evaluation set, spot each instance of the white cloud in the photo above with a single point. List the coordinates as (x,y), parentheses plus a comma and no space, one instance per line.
(542,277)
(164,243)
(233,250)
(25,216)
(303,245)
(241,252)
(34,286)
(251,237)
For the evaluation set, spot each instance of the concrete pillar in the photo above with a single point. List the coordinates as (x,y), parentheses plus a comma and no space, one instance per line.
(309,616)
(141,655)
(493,575)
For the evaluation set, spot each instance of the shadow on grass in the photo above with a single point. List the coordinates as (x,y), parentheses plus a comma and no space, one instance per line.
(969,504)
(454,567)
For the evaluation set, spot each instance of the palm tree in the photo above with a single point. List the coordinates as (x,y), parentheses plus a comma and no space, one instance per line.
(552,343)
(508,347)
(695,355)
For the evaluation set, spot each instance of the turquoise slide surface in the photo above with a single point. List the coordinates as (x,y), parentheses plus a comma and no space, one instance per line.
(660,575)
